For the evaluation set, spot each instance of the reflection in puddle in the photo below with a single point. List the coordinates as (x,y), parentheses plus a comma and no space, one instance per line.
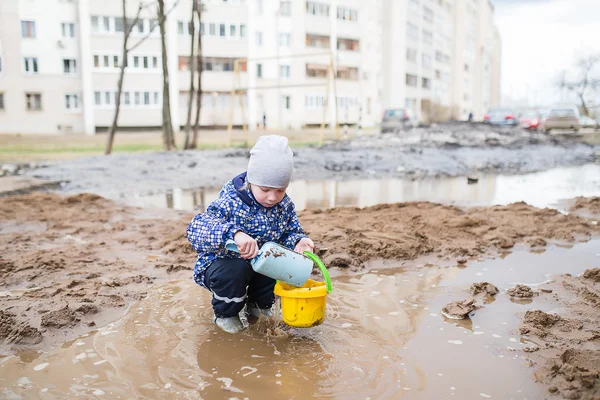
(384,336)
(542,189)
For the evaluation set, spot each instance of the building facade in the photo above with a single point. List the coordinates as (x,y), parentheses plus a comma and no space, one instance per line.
(60,61)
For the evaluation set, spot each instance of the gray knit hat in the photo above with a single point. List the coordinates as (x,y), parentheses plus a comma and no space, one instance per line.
(271,162)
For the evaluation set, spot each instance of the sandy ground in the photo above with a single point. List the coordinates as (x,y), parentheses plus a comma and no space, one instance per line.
(74,263)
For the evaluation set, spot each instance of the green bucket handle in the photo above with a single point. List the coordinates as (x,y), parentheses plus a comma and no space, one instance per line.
(322,267)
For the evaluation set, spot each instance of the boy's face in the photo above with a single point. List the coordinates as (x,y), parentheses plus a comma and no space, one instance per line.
(267,196)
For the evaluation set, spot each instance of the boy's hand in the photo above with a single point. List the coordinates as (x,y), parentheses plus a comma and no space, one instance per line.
(246,244)
(304,244)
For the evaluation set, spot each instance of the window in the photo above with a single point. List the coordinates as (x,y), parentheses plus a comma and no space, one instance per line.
(140,26)
(242,30)
(222,30)
(259,37)
(318,41)
(411,80)
(154,62)
(411,55)
(69,66)
(212,29)
(285,39)
(116,63)
(34,101)
(108,98)
(118,24)
(287,102)
(446,59)
(347,14)
(202,29)
(259,70)
(412,30)
(232,30)
(427,36)
(285,8)
(426,83)
(68,29)
(180,26)
(28,29)
(95,24)
(106,24)
(31,65)
(1,101)
(259,7)
(347,44)
(438,74)
(136,98)
(156,98)
(426,61)
(218,64)
(466,67)
(347,73)
(71,101)
(316,70)
(136,61)
(317,9)
(427,14)
(439,56)
(284,71)
(98,98)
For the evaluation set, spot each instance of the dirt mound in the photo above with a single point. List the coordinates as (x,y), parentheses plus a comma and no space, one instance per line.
(65,317)
(592,274)
(589,204)
(575,375)
(17,332)
(521,291)
(483,288)
(459,309)
(410,230)
(568,352)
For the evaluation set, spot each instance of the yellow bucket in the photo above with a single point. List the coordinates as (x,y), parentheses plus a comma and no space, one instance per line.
(304,307)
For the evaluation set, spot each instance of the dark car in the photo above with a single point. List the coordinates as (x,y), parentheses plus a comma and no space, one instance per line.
(397,119)
(501,116)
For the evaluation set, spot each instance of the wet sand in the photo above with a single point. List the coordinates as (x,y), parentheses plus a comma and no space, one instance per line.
(73,264)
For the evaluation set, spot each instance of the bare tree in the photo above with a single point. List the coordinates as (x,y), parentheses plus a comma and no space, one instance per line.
(192,65)
(584,83)
(125,50)
(168,135)
(194,143)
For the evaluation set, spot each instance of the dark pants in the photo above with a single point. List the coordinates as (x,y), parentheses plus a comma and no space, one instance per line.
(233,282)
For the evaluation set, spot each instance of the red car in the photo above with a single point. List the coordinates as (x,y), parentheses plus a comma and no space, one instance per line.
(529,119)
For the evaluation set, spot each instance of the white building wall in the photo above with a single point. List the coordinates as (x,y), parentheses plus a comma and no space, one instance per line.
(449,36)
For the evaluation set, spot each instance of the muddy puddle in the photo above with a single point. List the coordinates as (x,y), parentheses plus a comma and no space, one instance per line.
(384,338)
(541,189)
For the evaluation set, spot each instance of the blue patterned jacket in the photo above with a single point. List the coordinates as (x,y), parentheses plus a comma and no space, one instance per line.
(237,210)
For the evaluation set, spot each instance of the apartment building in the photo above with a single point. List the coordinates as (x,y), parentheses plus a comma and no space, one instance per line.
(60,60)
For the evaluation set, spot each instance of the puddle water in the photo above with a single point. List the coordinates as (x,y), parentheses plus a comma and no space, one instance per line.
(541,189)
(384,337)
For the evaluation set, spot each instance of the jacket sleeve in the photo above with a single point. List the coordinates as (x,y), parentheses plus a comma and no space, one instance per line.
(293,232)
(210,230)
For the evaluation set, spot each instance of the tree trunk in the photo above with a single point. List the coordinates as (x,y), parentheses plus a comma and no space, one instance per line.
(168,135)
(188,123)
(194,143)
(583,105)
(124,53)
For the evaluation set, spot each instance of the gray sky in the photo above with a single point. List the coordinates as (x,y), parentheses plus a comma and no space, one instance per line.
(540,38)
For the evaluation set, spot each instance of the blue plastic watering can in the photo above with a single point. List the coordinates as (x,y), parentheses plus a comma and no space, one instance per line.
(280,263)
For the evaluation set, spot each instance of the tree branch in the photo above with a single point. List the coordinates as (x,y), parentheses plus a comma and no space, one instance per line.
(146,36)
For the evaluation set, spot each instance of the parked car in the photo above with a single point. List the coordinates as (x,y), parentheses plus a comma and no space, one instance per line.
(587,122)
(529,119)
(397,119)
(500,116)
(562,118)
